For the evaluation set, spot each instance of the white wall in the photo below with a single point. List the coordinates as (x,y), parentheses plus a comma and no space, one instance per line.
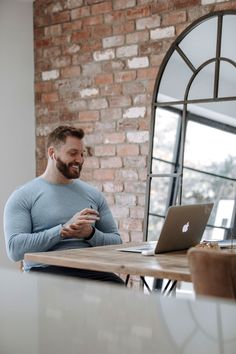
(17,118)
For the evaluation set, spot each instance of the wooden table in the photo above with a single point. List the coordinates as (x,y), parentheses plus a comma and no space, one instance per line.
(173,265)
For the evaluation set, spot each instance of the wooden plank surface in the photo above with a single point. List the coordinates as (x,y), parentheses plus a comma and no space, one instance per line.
(172,265)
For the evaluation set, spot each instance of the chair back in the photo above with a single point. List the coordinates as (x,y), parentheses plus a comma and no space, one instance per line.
(213,272)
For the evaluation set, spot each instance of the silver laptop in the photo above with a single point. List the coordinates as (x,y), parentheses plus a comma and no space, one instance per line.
(183,228)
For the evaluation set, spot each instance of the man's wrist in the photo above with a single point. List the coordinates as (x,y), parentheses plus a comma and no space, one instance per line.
(91,234)
(61,232)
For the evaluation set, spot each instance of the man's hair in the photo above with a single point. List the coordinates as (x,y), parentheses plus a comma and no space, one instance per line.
(58,136)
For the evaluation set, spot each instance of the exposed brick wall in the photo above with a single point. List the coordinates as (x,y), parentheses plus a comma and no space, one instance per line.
(96,62)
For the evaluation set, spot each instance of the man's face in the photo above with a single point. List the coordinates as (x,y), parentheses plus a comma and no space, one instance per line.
(70,157)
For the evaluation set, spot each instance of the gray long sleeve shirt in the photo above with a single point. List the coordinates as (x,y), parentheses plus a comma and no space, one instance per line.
(35,212)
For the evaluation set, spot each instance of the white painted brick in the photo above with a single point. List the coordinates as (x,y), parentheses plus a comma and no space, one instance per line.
(119,212)
(113,41)
(57,7)
(135,112)
(111,187)
(71,4)
(98,103)
(138,137)
(127,51)
(207,2)
(125,199)
(104,55)
(75,106)
(91,69)
(135,63)
(50,75)
(160,33)
(89,92)
(148,22)
(74,48)
(127,174)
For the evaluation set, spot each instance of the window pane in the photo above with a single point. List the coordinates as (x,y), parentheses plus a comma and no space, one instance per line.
(165,131)
(203,84)
(227,79)
(198,51)
(154,227)
(201,188)
(161,167)
(210,149)
(159,194)
(177,68)
(229,26)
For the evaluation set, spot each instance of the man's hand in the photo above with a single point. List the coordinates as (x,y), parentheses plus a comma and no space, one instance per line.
(80,225)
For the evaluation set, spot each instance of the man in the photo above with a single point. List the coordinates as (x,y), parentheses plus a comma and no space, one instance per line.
(58,211)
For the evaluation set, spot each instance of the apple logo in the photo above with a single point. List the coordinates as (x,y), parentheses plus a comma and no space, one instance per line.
(185,227)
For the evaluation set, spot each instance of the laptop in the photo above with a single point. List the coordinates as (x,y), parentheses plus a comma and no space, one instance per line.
(183,228)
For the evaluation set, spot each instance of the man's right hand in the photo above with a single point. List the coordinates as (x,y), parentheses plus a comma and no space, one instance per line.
(80,225)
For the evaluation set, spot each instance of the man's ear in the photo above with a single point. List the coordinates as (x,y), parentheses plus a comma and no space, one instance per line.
(51,152)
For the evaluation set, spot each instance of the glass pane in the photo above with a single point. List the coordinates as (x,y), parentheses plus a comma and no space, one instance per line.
(161,167)
(201,188)
(203,84)
(227,79)
(228,50)
(165,133)
(210,149)
(154,227)
(200,44)
(176,68)
(223,112)
(159,195)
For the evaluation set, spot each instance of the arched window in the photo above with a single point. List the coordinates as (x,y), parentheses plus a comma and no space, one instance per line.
(192,156)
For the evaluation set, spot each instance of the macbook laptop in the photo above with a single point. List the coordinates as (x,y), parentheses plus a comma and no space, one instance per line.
(183,228)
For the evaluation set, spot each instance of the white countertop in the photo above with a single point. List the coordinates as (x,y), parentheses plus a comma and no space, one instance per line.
(41,314)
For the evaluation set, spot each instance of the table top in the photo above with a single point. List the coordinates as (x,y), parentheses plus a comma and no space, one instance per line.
(173,265)
(48,314)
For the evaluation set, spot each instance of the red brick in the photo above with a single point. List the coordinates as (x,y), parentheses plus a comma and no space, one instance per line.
(60,17)
(50,97)
(162,5)
(114,138)
(103,79)
(89,116)
(126,27)
(101,8)
(138,12)
(128,150)
(72,26)
(92,20)
(104,150)
(111,162)
(147,73)
(113,17)
(54,30)
(80,12)
(91,46)
(72,71)
(43,86)
(43,43)
(80,36)
(111,90)
(101,31)
(104,174)
(174,18)
(180,4)
(120,101)
(125,76)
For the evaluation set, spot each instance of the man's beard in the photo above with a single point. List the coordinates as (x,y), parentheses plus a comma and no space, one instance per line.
(67,170)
